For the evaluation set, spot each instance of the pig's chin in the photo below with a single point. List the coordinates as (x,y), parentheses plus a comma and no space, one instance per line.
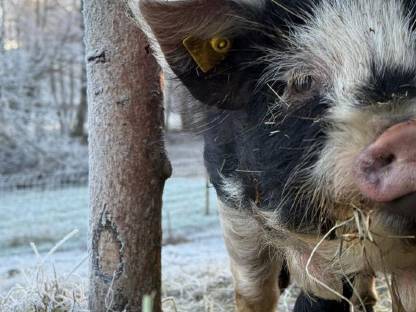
(404,206)
(399,216)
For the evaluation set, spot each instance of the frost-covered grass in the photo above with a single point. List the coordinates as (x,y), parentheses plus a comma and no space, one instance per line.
(45,292)
(195,275)
(44,282)
(40,216)
(195,279)
(43,288)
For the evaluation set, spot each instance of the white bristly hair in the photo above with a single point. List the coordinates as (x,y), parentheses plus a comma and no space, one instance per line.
(344,39)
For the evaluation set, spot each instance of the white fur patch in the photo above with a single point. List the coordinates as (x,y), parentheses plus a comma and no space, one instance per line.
(343,39)
(233,190)
(253,262)
(341,45)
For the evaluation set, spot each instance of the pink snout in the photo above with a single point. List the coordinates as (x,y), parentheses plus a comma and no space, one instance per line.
(386,170)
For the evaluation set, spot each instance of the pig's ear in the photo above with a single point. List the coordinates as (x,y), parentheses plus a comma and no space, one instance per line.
(212,46)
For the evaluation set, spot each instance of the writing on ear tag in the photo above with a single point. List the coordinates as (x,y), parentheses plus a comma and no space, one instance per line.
(207,53)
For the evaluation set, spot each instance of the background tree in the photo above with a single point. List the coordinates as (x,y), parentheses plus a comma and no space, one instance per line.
(2,24)
(128,166)
(41,89)
(79,129)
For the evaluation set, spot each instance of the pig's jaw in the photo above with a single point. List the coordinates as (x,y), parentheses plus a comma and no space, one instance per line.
(403,206)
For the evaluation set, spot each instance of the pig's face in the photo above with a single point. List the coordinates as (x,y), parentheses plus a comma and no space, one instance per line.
(360,57)
(356,60)
(314,101)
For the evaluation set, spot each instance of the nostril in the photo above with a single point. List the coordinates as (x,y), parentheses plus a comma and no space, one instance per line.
(385,160)
(372,163)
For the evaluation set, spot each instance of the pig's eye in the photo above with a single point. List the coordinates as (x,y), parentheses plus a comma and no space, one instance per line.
(302,84)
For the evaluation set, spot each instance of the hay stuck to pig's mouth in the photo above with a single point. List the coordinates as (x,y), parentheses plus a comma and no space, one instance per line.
(362,247)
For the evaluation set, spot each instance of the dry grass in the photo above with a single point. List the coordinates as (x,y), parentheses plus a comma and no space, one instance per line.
(359,232)
(45,290)
(42,292)
(211,290)
(205,289)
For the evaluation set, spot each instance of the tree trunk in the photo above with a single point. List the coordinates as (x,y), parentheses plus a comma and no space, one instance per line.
(63,108)
(128,164)
(2,26)
(78,131)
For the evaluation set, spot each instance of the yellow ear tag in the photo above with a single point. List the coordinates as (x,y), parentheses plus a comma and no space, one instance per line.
(207,53)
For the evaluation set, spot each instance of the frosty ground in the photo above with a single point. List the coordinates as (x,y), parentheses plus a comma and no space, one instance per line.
(196,275)
(195,266)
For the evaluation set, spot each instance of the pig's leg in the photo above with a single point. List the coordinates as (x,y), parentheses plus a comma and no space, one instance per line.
(254,266)
(365,287)
(308,303)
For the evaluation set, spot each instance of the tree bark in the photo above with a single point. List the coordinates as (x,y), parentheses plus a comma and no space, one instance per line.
(79,131)
(128,164)
(2,26)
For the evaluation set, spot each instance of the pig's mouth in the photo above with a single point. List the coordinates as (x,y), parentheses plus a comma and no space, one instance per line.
(404,206)
(385,171)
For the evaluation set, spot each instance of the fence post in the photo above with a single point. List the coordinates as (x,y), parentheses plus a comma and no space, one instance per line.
(207,199)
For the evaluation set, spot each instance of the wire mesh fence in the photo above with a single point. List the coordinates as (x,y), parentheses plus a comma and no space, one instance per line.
(15,182)
(42,209)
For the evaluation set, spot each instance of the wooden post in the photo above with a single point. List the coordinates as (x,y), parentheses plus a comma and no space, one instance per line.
(128,164)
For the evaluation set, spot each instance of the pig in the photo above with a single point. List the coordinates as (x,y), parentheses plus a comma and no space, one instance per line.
(311,143)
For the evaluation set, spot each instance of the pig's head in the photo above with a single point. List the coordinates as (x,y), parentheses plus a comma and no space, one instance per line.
(315,101)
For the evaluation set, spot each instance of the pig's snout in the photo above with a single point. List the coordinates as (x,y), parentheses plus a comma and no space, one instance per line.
(386,169)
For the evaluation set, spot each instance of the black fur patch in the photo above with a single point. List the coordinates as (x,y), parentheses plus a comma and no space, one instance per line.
(264,146)
(387,84)
(231,84)
(410,10)
(263,157)
(284,277)
(305,303)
